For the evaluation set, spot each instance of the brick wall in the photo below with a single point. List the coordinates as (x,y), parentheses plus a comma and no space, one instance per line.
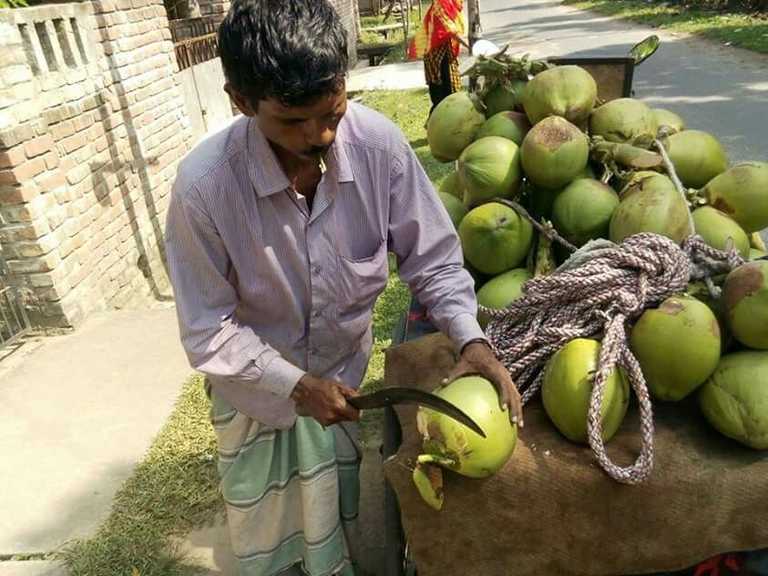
(92,125)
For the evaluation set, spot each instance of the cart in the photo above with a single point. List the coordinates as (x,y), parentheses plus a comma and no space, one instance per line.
(614,77)
(414,325)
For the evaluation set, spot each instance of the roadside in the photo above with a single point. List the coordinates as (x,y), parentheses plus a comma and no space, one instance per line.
(743,29)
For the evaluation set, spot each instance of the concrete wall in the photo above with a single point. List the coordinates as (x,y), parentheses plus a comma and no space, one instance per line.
(346,10)
(208,106)
(92,125)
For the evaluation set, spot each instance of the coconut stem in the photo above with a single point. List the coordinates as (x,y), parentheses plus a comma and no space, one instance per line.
(670,168)
(548,231)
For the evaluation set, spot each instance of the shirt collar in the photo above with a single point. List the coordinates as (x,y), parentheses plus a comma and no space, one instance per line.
(264,168)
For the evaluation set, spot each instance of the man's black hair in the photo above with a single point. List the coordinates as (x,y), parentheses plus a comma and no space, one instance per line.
(291,50)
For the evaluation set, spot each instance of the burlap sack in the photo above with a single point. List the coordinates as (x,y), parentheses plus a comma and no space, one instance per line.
(553,511)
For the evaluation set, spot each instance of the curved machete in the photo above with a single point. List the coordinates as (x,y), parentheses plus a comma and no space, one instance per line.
(400,395)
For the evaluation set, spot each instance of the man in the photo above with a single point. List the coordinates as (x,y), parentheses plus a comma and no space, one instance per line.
(277,236)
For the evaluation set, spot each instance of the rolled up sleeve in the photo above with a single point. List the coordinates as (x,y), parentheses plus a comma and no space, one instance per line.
(429,252)
(215,342)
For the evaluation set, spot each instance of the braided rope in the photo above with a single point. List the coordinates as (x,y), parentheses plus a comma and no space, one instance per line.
(597,292)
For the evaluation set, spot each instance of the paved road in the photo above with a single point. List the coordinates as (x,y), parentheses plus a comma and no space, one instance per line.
(715,88)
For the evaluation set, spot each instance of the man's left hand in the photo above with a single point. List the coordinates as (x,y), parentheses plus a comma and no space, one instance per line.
(478,358)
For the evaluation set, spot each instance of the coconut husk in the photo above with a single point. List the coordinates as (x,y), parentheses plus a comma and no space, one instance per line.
(553,511)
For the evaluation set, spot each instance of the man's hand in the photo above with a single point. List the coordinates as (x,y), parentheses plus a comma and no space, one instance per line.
(324,400)
(478,358)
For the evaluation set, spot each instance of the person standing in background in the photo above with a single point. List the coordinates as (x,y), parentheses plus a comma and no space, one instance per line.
(438,43)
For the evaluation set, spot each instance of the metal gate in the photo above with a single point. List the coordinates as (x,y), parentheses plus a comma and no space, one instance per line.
(14,321)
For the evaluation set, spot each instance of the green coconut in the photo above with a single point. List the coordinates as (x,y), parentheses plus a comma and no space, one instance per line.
(567,91)
(746,303)
(495,238)
(630,180)
(716,228)
(583,210)
(669,119)
(651,204)
(756,241)
(509,124)
(742,193)
(755,254)
(451,184)
(735,398)
(489,168)
(452,126)
(428,479)
(554,152)
(700,291)
(623,120)
(697,157)
(540,201)
(454,206)
(453,445)
(567,389)
(678,346)
(503,97)
(500,291)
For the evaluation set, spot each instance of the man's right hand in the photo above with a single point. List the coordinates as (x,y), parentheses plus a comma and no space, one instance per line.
(324,400)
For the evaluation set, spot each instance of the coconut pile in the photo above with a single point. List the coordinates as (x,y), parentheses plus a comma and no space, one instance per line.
(542,169)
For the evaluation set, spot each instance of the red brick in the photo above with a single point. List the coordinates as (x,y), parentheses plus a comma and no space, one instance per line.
(12,157)
(38,146)
(53,181)
(51,160)
(23,172)
(74,142)
(84,121)
(63,130)
(18,194)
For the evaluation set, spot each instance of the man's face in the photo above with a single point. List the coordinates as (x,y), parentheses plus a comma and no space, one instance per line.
(305,131)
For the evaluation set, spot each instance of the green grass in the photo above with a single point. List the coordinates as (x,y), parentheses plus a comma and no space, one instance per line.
(175,487)
(409,110)
(739,29)
(173,490)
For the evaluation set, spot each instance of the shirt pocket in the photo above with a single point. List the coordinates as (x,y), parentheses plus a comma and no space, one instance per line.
(361,280)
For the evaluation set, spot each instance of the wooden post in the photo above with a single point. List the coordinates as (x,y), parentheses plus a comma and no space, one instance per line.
(358,22)
(475,32)
(405,11)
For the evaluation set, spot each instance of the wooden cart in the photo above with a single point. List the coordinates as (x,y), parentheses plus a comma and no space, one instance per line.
(614,76)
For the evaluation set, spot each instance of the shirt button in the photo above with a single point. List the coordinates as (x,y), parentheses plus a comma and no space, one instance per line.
(316,314)
(317,269)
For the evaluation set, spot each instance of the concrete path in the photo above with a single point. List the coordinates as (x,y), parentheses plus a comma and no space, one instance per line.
(77,412)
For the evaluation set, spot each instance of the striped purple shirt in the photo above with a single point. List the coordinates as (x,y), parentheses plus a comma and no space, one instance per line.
(267,290)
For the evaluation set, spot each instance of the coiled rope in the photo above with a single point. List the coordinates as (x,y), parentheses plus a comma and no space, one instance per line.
(596,293)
